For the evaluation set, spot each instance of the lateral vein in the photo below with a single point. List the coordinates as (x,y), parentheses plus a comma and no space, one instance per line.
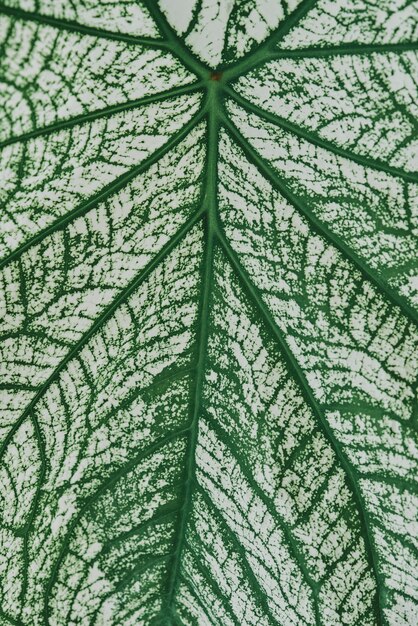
(254,295)
(318,226)
(107,191)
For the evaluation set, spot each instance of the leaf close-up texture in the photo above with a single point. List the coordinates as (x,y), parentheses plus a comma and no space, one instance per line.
(208,313)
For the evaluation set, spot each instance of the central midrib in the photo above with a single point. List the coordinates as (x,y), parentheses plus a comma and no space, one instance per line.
(210,225)
(214,236)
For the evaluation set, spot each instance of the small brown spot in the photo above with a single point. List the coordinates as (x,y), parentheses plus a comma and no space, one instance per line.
(216,76)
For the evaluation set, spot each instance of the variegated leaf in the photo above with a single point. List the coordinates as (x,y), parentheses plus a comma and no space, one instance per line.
(209,324)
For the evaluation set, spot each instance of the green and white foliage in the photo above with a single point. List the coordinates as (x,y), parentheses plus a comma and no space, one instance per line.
(209,313)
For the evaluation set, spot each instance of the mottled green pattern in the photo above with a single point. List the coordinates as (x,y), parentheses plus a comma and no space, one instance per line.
(209,324)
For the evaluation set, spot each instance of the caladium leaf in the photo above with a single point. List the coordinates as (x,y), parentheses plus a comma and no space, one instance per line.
(209,295)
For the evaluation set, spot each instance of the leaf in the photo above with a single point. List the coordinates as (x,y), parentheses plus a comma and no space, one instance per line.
(209,300)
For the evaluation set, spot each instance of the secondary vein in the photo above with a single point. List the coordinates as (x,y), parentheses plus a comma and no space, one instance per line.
(106,314)
(107,191)
(67,25)
(317,140)
(318,226)
(99,113)
(294,368)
